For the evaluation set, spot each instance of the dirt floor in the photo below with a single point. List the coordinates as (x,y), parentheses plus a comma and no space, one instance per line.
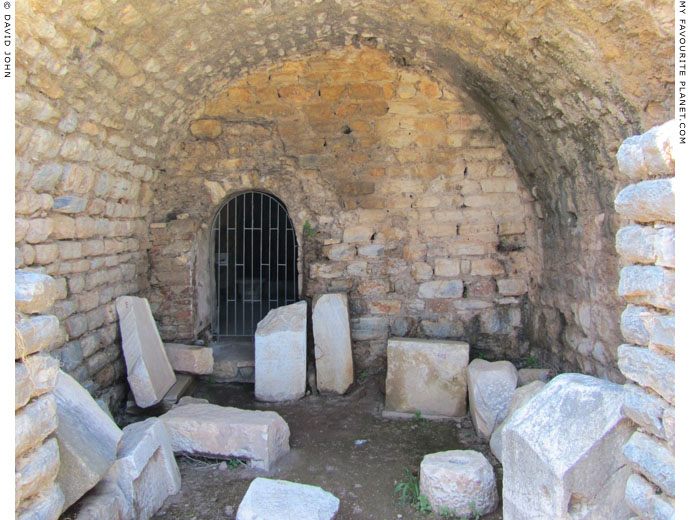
(341,444)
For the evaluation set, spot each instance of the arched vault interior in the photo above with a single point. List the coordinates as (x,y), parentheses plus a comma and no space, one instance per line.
(106,93)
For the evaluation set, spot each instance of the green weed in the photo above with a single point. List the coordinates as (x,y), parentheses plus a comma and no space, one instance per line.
(408,490)
(308,230)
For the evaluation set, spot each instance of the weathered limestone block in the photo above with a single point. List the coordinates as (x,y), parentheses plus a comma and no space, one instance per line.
(637,323)
(491,387)
(206,128)
(149,372)
(34,292)
(648,369)
(657,146)
(207,429)
(528,375)
(648,201)
(280,354)
(511,287)
(332,348)
(36,470)
(630,158)
(145,469)
(33,423)
(104,502)
(648,285)
(427,376)
(34,334)
(663,334)
(653,459)
(669,422)
(562,452)
(47,505)
(645,409)
(441,289)
(191,359)
(461,481)
(665,247)
(521,397)
(270,499)
(644,500)
(636,243)
(361,233)
(182,383)
(35,376)
(87,436)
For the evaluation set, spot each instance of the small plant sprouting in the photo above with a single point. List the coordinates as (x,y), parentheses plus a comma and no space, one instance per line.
(362,375)
(418,415)
(408,490)
(308,230)
(234,463)
(211,379)
(531,362)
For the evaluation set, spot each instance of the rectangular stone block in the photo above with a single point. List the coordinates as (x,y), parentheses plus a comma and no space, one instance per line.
(644,500)
(648,201)
(36,471)
(280,354)
(35,376)
(636,324)
(648,285)
(648,369)
(87,436)
(645,409)
(33,423)
(208,429)
(149,372)
(441,289)
(332,347)
(429,376)
(652,458)
(191,359)
(45,506)
(663,334)
(34,334)
(34,292)
(182,384)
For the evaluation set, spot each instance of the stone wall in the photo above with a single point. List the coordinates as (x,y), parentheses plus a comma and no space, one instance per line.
(106,92)
(37,457)
(647,283)
(417,210)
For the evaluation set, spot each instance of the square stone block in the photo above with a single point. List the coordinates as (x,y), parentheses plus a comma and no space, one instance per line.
(427,376)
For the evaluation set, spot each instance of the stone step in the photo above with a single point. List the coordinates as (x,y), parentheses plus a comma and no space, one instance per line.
(233,361)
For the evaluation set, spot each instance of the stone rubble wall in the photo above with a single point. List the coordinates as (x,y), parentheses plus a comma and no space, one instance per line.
(646,246)
(37,457)
(417,209)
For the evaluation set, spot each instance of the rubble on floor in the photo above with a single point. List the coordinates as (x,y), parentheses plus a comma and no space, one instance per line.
(269,499)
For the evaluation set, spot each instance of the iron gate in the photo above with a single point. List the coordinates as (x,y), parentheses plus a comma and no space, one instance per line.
(255,262)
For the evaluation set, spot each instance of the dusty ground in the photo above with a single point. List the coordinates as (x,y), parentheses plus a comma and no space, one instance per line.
(324,452)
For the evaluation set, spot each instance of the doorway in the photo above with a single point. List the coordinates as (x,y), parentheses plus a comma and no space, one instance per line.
(254,255)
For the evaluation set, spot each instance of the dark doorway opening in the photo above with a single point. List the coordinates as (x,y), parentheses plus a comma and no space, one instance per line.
(254,262)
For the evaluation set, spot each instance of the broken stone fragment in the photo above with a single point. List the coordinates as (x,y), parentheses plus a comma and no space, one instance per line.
(34,292)
(269,499)
(490,386)
(47,505)
(458,481)
(528,375)
(36,471)
(280,354)
(145,470)
(521,397)
(427,376)
(149,372)
(562,452)
(190,359)
(648,201)
(332,349)
(87,436)
(208,429)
